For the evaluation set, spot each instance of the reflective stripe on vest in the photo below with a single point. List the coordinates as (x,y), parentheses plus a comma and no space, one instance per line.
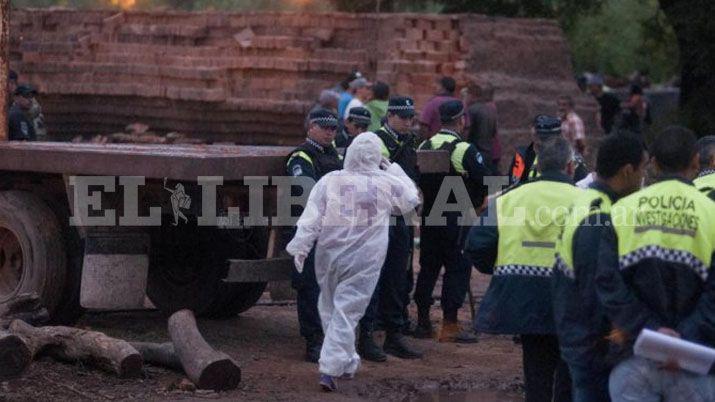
(705,183)
(670,221)
(457,156)
(300,154)
(589,202)
(534,170)
(530,219)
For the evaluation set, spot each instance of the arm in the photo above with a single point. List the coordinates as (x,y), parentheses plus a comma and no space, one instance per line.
(310,223)
(482,244)
(699,326)
(409,196)
(627,313)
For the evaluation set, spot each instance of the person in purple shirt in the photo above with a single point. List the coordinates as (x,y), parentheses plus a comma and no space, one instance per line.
(429,118)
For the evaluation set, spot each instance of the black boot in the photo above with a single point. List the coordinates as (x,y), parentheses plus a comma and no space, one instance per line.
(368,349)
(313,345)
(396,345)
(424,328)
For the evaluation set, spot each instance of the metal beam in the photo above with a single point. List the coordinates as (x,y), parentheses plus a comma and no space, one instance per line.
(270,270)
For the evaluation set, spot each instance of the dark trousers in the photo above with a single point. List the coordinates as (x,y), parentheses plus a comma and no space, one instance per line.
(392,291)
(589,385)
(441,246)
(308,291)
(546,376)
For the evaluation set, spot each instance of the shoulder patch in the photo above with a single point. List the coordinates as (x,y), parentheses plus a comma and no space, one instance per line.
(480,158)
(297,170)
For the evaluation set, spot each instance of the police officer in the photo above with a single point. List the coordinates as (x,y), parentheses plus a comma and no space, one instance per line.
(655,271)
(357,122)
(314,158)
(516,244)
(581,324)
(393,288)
(705,181)
(524,166)
(442,245)
(21,128)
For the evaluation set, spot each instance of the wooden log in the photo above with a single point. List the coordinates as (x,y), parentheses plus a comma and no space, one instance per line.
(15,355)
(159,354)
(205,366)
(73,344)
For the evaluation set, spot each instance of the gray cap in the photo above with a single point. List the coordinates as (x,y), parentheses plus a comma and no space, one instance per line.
(359,83)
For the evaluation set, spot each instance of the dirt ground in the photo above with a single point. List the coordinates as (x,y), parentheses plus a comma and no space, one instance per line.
(266,344)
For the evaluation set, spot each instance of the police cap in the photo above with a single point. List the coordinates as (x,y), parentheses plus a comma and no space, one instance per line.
(360,116)
(323,118)
(547,126)
(451,110)
(25,90)
(401,106)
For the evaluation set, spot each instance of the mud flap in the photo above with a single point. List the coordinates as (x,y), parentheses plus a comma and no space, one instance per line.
(115,269)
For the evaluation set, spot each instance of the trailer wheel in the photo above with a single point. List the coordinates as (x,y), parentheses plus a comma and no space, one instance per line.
(32,254)
(187,268)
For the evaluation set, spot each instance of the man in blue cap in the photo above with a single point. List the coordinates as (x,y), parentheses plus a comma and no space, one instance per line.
(314,158)
(357,122)
(392,295)
(524,166)
(441,243)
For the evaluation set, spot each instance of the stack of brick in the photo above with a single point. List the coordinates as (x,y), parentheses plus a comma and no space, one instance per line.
(251,77)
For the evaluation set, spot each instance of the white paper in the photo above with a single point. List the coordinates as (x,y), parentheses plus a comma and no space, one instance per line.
(662,348)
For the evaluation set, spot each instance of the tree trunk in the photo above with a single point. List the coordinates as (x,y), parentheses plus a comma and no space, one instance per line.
(206,367)
(159,354)
(695,30)
(15,355)
(72,344)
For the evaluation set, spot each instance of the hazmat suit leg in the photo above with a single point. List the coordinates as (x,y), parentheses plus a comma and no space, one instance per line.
(345,293)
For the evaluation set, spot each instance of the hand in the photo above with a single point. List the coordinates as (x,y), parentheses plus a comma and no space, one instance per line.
(299,261)
(385,163)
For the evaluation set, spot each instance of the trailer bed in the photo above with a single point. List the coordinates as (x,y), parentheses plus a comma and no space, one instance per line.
(176,162)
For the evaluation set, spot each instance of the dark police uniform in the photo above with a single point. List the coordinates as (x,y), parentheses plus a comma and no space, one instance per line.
(393,289)
(581,323)
(20,127)
(516,245)
(655,266)
(525,162)
(359,116)
(310,159)
(442,245)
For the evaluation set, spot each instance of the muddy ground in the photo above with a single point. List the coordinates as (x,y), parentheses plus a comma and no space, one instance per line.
(265,342)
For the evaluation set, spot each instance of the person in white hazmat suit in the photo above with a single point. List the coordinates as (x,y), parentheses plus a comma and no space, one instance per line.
(348,214)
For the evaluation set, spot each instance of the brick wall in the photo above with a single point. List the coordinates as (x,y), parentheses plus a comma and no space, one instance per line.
(250,77)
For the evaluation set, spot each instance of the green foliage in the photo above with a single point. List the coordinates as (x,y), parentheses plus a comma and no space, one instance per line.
(625,35)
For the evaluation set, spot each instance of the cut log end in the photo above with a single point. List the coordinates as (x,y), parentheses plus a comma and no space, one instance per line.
(221,375)
(131,366)
(15,356)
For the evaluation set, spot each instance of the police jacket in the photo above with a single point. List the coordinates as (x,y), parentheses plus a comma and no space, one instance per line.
(20,126)
(581,323)
(401,149)
(655,264)
(466,162)
(523,166)
(516,244)
(343,139)
(706,182)
(313,160)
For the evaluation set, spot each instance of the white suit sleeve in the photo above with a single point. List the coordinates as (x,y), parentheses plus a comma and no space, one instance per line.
(407,195)
(310,223)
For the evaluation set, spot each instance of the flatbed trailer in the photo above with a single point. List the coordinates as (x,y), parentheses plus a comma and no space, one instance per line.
(217,271)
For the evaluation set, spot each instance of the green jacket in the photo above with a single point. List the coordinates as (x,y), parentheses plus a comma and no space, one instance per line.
(378,111)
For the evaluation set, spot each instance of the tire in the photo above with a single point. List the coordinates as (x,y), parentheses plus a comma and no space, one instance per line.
(187,267)
(32,250)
